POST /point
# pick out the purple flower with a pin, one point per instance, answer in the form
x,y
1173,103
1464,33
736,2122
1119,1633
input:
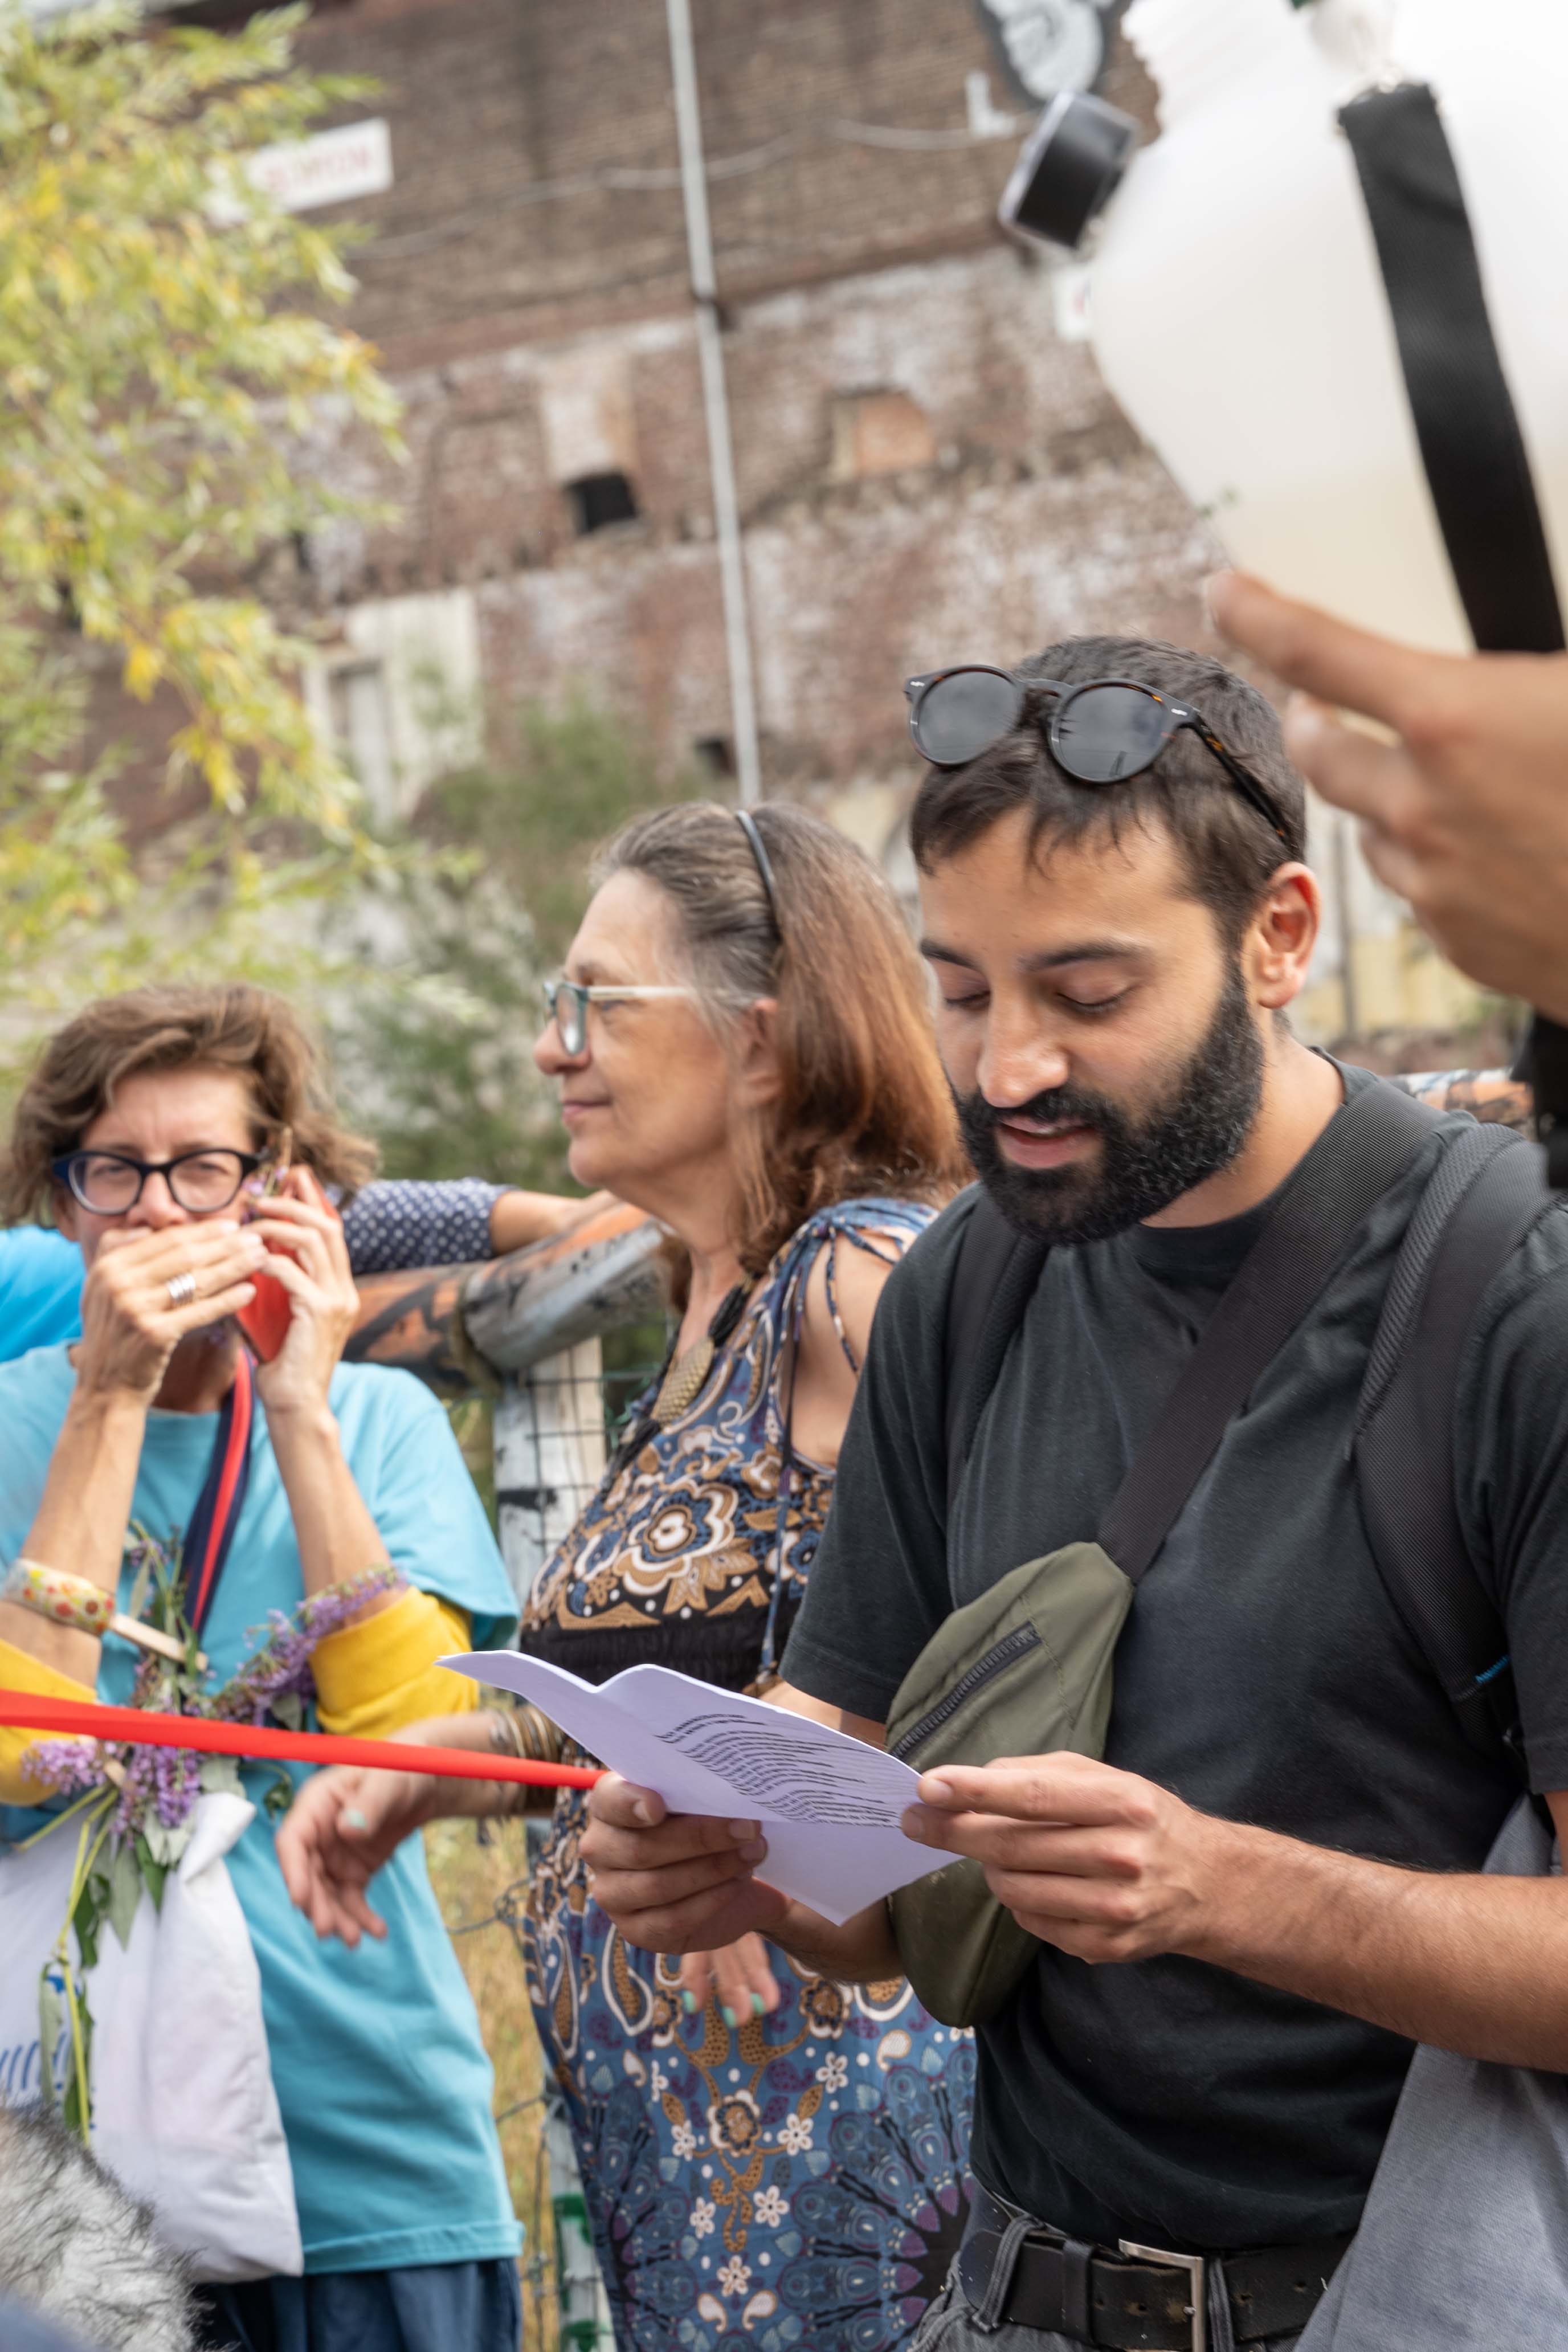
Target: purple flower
x,y
281,1667
176,1784
64,1767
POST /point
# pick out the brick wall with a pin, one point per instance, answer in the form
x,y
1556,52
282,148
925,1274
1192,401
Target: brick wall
x,y
925,469
490,102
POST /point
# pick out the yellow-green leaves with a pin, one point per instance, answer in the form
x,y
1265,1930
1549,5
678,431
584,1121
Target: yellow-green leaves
x,y
160,354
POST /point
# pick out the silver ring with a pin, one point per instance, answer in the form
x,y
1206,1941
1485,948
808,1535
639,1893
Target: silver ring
x,y
182,1289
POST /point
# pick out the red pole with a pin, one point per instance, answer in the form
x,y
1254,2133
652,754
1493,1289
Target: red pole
x,y
140,1728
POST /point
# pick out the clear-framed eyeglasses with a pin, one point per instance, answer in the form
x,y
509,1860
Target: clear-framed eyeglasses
x,y
566,1003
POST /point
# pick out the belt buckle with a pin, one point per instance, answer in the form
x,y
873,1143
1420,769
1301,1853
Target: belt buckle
x,y
1193,2264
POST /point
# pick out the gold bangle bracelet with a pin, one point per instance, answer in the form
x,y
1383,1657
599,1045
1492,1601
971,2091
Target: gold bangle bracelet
x,y
505,1737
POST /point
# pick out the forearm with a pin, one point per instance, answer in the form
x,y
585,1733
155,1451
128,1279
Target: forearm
x,y
862,1951
1478,1965
332,1525
463,1800
519,1219
82,1522
480,1733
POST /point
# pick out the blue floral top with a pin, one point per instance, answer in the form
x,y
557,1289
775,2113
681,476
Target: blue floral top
x,y
695,1550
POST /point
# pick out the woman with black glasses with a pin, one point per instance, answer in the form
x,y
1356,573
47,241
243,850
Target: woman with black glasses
x,y
279,1481
744,1049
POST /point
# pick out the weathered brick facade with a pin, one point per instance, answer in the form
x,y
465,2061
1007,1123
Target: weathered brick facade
x,y
925,469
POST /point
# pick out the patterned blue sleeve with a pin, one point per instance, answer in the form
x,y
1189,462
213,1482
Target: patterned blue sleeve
x,y
391,1227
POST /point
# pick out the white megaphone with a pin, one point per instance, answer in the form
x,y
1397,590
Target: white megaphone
x,y
1281,297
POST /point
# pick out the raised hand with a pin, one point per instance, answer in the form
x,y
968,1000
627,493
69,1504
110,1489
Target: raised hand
x,y
147,1290
308,1255
1465,811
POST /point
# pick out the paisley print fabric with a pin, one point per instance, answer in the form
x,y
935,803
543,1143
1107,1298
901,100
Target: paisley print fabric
x,y
797,2182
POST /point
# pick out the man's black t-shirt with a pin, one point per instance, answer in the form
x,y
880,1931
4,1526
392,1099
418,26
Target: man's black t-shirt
x,y
1263,1675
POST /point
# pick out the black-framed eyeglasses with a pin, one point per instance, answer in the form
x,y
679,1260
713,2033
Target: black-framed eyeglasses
x,y
1103,731
201,1182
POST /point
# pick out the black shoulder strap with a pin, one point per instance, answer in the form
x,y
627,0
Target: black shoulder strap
x,y
1472,447
1486,1193
1309,1230
994,1280
1312,1225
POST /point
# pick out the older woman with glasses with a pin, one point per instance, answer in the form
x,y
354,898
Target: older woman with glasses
x,y
742,1048
153,1126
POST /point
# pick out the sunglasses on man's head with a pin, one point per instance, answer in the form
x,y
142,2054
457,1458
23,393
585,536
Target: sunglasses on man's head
x,y
1101,732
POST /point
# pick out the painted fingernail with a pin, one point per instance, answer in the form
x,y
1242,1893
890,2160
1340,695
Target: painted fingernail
x,y
352,1819
689,2002
730,2018
757,2009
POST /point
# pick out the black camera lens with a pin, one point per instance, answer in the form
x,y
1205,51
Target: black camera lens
x,y
1070,167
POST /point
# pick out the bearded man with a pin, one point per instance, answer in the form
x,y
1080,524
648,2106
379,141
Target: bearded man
x,y
1117,916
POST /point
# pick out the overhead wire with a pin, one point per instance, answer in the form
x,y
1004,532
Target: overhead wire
x,y
645,179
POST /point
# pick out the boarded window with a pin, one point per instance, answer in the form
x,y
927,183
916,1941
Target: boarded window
x,y
879,433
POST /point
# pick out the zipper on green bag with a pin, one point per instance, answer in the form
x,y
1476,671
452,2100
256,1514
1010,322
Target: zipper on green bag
x,y
1004,1654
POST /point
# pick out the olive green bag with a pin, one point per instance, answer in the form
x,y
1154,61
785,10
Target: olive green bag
x,y
1023,1670
1027,1669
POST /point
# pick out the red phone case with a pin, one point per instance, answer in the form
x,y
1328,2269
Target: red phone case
x,y
265,1322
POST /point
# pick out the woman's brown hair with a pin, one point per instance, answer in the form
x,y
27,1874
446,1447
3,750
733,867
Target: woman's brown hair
x,y
863,1107
233,1027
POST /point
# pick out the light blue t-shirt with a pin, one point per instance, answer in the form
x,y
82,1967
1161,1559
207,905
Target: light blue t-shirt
x,y
382,2079
40,1290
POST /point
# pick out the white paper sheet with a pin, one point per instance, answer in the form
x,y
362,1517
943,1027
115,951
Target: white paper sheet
x,y
829,1805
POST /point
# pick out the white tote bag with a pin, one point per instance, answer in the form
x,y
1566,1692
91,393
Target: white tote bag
x,y
185,2114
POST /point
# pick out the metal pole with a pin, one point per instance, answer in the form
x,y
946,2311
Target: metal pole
x,y
715,401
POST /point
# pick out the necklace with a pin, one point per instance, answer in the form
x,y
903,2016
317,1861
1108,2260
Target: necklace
x,y
687,1375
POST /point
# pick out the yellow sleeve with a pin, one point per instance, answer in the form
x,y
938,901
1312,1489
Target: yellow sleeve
x,y
375,1677
19,1672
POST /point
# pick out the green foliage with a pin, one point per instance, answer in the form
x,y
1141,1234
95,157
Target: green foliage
x,y
440,1065
163,346
561,782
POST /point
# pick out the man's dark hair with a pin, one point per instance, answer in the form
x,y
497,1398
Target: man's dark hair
x,y
1227,848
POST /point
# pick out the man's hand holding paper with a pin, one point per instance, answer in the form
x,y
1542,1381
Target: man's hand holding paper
x,y
732,1780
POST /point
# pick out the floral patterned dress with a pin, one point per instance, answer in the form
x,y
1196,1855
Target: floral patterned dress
x,y
798,2180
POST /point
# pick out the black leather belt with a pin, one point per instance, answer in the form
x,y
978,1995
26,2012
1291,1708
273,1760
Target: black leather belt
x,y
1140,2298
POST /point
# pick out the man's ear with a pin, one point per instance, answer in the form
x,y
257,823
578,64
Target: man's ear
x,y
756,1077
1277,948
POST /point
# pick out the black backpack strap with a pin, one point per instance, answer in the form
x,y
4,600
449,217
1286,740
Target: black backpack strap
x,y
1311,1227
994,1280
1309,1231
1484,1197
1472,447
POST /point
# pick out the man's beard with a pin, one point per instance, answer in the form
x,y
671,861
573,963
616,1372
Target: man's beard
x,y
1144,1163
